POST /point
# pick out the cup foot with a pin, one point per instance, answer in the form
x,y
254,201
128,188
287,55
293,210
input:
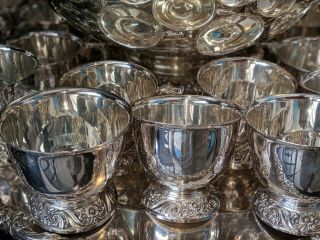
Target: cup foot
x,y
300,222
181,207
65,216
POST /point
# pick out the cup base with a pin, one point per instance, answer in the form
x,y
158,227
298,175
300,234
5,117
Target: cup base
x,y
65,216
300,222
181,207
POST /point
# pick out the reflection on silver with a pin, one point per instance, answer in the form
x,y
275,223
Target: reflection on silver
x,y
273,8
242,80
57,52
129,26
235,3
300,53
157,230
17,67
38,16
127,80
310,83
184,142
286,145
182,15
65,144
290,17
229,34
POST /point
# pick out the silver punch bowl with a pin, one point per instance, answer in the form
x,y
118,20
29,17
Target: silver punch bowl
x,y
285,141
65,144
242,80
184,142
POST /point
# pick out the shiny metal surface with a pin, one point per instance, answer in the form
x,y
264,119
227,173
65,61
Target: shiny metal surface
x,y
184,142
310,83
289,17
235,3
62,153
300,53
181,15
130,26
37,16
17,67
57,53
130,81
285,143
242,80
273,8
230,33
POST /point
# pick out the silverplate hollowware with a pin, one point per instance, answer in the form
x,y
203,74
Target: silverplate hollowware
x,y
299,54
242,80
132,82
130,26
17,67
184,142
57,53
217,27
179,15
285,141
310,83
64,144
229,34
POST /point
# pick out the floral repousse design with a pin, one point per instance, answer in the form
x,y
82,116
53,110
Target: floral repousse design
x,y
87,214
300,223
199,206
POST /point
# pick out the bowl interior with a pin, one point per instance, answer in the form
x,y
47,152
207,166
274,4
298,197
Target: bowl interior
x,y
49,47
186,111
294,120
63,121
15,66
131,82
302,53
244,80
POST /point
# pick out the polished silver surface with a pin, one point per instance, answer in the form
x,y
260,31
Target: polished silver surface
x,y
273,8
130,26
235,3
285,137
310,83
242,80
230,33
290,16
300,53
17,67
127,80
184,16
37,16
65,144
184,142
57,53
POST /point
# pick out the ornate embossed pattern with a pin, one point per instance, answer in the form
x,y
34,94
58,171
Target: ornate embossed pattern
x,y
201,206
75,217
241,155
302,223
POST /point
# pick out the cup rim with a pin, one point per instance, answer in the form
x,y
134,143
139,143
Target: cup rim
x,y
107,95
261,101
309,77
8,47
124,64
211,100
62,34
242,59
273,46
